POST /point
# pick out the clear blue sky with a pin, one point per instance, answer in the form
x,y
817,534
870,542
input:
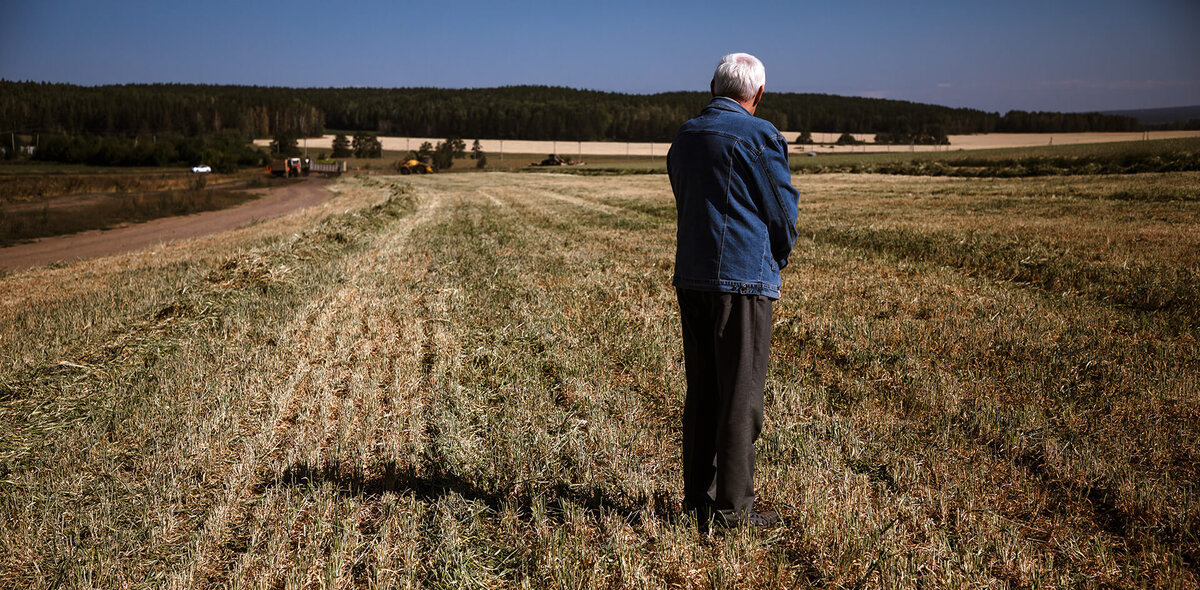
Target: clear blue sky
x,y
996,56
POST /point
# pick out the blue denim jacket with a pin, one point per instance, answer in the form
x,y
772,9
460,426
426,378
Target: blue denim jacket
x,y
735,201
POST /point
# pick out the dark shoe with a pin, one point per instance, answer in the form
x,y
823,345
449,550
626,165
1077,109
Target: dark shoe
x,y
763,520
704,515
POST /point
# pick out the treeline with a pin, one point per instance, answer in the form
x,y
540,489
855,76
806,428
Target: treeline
x,y
224,152
512,112
145,109
1189,124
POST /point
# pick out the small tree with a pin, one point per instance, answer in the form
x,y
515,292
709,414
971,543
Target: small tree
x,y
366,145
358,144
374,147
285,143
476,150
847,139
220,161
938,135
458,147
805,137
425,152
341,147
443,155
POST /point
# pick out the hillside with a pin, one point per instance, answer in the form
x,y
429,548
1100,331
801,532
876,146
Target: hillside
x,y
513,112
1174,117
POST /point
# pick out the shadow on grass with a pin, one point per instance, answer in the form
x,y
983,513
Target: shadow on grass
x,y
596,500
438,483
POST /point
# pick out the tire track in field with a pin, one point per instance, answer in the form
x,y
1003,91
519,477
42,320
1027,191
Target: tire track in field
x,y
564,191
337,386
493,200
542,201
348,429
551,239
583,203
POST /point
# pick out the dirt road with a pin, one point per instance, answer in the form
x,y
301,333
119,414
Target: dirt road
x,y
92,244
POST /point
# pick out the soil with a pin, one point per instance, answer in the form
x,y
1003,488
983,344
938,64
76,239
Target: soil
x,y
82,201
96,243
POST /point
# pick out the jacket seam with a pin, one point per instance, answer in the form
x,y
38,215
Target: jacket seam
x,y
724,218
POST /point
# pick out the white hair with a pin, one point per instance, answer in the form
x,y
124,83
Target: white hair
x,y
739,76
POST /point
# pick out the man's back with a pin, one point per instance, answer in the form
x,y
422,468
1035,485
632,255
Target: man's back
x,y
736,205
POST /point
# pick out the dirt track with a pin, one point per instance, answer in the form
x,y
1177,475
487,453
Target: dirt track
x,y
92,244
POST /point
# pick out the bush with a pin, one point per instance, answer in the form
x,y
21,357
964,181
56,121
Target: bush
x,y
225,152
847,139
443,154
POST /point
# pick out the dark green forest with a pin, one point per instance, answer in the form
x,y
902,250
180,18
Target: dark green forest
x,y
224,152
512,112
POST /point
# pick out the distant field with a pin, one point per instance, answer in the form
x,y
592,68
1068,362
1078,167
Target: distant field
x,y
1161,155
824,143
475,380
508,147
868,158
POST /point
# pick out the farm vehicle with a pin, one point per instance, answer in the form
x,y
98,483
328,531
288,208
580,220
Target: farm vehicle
x,y
289,167
334,167
413,167
556,160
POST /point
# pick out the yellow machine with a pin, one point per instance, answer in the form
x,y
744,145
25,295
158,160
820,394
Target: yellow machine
x,y
414,167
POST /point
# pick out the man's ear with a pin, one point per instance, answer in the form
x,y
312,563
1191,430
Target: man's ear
x,y
758,95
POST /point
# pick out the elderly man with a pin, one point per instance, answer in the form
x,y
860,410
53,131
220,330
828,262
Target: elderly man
x,y
737,224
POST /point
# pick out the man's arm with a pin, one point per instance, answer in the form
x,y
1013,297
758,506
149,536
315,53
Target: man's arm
x,y
780,199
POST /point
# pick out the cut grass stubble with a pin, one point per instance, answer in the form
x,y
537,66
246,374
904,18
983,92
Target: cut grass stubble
x,y
485,392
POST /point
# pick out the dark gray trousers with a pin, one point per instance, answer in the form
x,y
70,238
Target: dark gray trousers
x,y
726,343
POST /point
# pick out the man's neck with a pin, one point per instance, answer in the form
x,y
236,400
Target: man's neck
x,y
749,106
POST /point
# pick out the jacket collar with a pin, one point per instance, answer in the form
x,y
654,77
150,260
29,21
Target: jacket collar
x,y
727,104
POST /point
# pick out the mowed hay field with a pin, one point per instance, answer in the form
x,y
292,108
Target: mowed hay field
x,y
475,380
